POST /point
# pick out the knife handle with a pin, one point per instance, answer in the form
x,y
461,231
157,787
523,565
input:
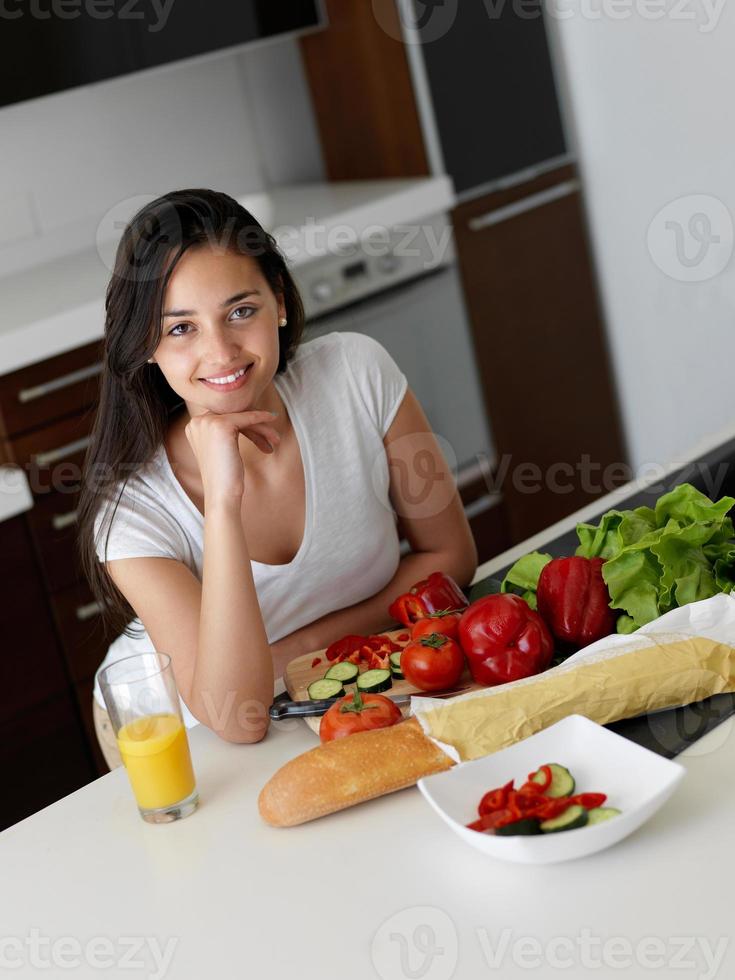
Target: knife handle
x,y
299,709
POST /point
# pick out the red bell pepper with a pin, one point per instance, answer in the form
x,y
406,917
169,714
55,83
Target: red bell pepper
x,y
437,593
574,601
504,639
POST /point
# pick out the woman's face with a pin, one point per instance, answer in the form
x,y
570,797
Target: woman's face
x,y
220,318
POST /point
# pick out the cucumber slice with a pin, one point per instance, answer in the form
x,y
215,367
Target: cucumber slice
x,y
374,681
347,673
395,660
562,783
327,687
573,817
602,813
525,827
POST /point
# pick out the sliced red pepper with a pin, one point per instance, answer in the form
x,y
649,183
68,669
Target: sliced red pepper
x,y
588,800
407,609
342,648
404,637
495,799
316,661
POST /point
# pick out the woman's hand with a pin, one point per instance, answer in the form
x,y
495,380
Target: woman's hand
x,y
214,440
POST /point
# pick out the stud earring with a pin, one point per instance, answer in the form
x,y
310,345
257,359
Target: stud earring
x,y
282,322
151,361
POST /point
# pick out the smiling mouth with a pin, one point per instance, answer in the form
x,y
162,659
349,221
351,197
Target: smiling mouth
x,y
228,382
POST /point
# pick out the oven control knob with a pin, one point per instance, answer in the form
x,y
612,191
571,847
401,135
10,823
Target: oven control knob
x,y
389,263
322,290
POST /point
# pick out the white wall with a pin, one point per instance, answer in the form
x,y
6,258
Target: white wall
x,y
238,122
651,109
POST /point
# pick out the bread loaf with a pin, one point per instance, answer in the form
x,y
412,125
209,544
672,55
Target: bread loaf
x,y
349,770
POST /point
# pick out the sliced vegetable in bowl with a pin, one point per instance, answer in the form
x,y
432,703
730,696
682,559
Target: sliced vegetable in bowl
x,y
544,804
637,781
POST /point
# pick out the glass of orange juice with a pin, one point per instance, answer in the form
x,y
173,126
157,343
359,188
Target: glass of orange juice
x,y
143,703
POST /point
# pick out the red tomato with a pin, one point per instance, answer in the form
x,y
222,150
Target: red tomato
x,y
358,713
446,624
432,662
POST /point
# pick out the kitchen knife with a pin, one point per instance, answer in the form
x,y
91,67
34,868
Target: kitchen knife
x,y
312,709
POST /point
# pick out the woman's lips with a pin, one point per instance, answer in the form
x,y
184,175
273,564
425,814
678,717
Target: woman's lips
x,y
213,386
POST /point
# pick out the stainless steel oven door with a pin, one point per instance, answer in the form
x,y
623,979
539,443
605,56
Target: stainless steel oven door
x,y
423,324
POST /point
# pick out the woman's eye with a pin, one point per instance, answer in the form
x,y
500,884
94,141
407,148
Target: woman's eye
x,y
250,311
178,326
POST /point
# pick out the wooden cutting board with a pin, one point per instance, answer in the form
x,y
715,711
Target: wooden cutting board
x,y
300,673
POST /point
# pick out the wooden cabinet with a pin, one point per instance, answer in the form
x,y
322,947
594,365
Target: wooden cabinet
x,y
54,640
541,350
43,752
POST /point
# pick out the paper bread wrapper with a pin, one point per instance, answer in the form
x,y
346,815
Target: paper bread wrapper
x,y
685,656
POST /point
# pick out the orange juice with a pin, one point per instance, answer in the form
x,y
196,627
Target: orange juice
x,y
155,751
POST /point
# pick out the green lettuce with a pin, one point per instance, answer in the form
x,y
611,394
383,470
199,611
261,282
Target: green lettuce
x,y
659,558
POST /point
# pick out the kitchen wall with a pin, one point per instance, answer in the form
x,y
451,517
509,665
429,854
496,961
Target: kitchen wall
x,y
650,108
238,122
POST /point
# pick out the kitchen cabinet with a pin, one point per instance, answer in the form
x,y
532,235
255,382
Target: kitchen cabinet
x,y
46,412
43,752
541,349
492,94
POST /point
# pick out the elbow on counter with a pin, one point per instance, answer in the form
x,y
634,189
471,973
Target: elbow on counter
x,y
248,736
243,724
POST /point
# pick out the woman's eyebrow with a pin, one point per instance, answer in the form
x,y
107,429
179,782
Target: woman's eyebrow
x,y
223,305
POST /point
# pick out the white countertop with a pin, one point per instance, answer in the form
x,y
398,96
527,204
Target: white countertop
x,y
241,899
55,307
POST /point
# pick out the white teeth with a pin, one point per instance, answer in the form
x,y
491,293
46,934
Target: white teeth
x,y
229,379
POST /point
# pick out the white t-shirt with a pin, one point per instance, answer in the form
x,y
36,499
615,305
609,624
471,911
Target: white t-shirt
x,y
342,391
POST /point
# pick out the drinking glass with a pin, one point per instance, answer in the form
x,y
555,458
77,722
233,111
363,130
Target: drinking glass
x,y
143,704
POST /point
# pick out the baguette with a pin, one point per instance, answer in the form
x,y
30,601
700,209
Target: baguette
x,y
349,770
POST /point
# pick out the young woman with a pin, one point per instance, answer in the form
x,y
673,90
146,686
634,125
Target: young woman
x,y
244,492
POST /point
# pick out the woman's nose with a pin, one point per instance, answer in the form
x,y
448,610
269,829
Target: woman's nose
x,y
219,348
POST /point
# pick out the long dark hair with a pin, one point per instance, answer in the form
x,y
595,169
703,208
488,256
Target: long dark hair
x,y
135,399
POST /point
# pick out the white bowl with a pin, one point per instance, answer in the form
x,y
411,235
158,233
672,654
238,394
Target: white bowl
x,y
635,780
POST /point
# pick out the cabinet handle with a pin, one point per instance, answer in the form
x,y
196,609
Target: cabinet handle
x,y
92,609
48,387
60,521
53,455
529,203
